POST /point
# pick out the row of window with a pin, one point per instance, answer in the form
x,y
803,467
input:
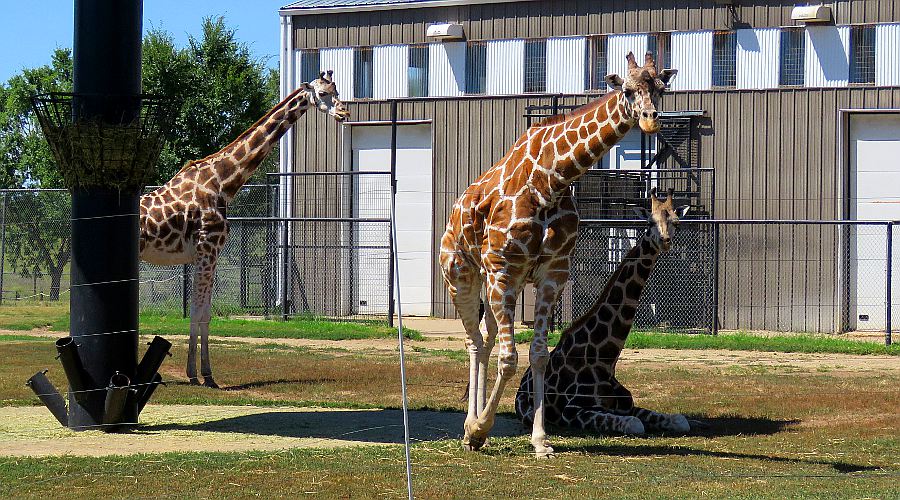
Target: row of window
x,y
791,71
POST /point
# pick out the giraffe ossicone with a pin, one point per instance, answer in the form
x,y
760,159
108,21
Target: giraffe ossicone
x,y
184,221
582,391
517,224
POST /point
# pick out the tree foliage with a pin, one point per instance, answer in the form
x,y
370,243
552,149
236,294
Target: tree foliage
x,y
219,90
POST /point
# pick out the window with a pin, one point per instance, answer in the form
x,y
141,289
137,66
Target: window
x,y
363,72
723,60
418,71
535,65
660,45
862,54
309,65
476,62
596,61
793,57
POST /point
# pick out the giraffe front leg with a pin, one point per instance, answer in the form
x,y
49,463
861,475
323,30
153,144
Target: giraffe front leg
x,y
539,354
464,287
651,421
201,311
501,302
601,420
489,333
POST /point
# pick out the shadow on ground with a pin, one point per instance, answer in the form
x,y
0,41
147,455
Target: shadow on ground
x,y
365,426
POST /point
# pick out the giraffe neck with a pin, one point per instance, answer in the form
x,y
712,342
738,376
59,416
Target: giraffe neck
x,y
612,314
233,165
568,149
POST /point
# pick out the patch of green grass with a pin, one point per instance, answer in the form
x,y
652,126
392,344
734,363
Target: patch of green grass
x,y
20,338
55,316
807,343
292,329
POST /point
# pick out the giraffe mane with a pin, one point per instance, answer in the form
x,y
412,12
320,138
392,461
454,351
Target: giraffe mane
x,y
245,133
583,110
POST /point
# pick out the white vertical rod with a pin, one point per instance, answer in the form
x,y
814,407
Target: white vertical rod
x,y
396,265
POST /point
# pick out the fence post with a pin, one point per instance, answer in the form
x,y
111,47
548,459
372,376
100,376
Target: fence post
x,y
888,280
185,290
392,257
285,267
3,245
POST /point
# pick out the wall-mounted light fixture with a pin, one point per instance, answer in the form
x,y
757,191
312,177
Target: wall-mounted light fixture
x,y
445,31
807,14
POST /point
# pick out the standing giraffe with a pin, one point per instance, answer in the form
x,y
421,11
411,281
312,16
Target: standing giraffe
x,y
580,383
517,223
184,222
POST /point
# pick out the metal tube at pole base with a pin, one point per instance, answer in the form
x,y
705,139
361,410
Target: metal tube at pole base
x,y
147,391
79,379
152,360
48,395
116,398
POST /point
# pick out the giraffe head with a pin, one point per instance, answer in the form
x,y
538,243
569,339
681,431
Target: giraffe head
x,y
663,217
323,95
642,87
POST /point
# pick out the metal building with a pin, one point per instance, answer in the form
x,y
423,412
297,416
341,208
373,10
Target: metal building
x,y
798,117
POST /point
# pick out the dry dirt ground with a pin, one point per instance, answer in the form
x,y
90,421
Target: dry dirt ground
x,y
32,431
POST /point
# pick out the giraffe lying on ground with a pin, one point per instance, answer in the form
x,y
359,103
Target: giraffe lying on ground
x,y
517,224
183,222
580,384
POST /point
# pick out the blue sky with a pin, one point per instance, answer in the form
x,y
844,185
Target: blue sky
x,y
30,30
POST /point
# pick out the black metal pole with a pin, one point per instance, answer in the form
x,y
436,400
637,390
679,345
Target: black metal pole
x,y
104,269
888,280
185,289
392,257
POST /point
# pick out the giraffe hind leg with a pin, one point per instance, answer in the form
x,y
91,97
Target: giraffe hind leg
x,y
601,420
674,423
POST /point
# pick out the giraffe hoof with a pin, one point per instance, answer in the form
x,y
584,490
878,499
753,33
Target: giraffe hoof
x,y
473,444
544,452
209,382
679,424
633,426
194,381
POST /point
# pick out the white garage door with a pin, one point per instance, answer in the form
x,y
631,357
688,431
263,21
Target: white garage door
x,y
371,151
875,195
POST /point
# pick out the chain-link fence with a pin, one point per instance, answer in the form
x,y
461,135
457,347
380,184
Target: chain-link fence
x,y
337,262
798,276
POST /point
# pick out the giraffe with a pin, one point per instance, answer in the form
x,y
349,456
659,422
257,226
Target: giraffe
x,y
184,221
517,223
580,383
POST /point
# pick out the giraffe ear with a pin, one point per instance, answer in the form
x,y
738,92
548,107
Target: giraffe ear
x,y
615,81
682,210
306,86
667,74
642,213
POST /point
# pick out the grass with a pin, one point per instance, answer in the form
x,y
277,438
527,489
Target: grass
x,y
55,317
772,432
742,342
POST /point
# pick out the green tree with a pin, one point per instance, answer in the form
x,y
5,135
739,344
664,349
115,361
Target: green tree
x,y
217,86
37,230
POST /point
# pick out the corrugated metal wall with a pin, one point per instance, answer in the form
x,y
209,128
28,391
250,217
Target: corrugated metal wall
x,y
341,61
618,46
757,58
692,56
774,174
566,65
566,18
446,69
827,56
391,71
505,68
887,54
